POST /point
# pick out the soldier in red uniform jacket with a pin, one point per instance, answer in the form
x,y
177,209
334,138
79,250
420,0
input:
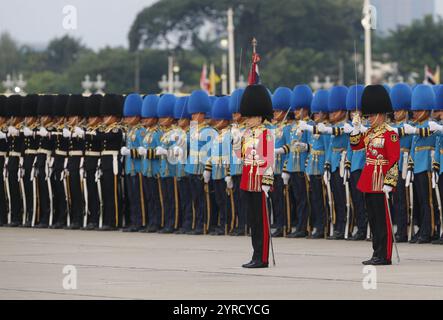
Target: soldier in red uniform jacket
x,y
257,154
380,174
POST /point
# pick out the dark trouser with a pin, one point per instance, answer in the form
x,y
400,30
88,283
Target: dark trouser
x,y
221,198
28,161
358,200
423,186
3,198
213,208
197,187
59,196
440,187
379,221
43,196
258,220
339,194
93,198
14,189
400,208
278,202
76,197
318,203
298,183
167,185
112,203
134,184
184,196
151,190
240,207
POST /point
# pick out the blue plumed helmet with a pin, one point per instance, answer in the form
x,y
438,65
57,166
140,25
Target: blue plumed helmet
x,y
165,107
281,100
423,98
149,107
234,100
220,109
355,93
320,101
133,105
199,102
337,99
301,97
208,114
401,95
180,108
438,90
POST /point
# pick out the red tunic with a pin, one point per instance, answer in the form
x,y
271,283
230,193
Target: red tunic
x,y
382,154
257,153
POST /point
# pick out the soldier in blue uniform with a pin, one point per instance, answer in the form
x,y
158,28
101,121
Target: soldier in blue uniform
x,y
420,162
281,103
91,163
111,138
297,144
133,164
198,105
151,163
319,144
355,162
217,166
169,196
401,95
4,200
235,170
30,145
336,156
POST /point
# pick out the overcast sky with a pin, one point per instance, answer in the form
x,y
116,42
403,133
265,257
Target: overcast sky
x,y
100,22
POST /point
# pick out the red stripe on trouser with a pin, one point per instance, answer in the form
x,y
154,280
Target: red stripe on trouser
x,y
265,230
388,232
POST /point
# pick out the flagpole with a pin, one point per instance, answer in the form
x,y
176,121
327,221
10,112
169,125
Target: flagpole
x,y
231,52
366,22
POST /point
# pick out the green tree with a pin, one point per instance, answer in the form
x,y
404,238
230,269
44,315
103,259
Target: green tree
x,y
64,51
9,55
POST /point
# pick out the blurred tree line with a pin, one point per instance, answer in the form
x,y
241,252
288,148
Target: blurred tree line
x,y
297,40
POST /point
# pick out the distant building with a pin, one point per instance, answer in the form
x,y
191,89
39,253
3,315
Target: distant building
x,y
394,13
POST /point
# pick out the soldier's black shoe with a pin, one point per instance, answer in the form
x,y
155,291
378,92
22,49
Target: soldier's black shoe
x,y
277,233
439,241
377,262
236,233
255,265
152,229
421,240
74,226
90,227
195,232
297,234
217,232
57,226
13,225
26,225
401,238
359,236
131,229
317,235
337,236
108,228
166,231
414,238
180,231
41,226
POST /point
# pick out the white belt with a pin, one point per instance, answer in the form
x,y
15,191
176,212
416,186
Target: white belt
x,y
92,153
44,151
30,151
3,154
110,153
15,154
76,153
61,153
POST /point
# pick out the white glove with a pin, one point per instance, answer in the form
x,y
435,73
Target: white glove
x,y
409,178
409,129
435,178
347,128
326,176
206,176
434,126
279,151
285,176
322,128
66,133
2,135
142,151
395,130
42,132
13,132
229,183
160,151
174,137
78,132
303,126
266,190
387,189
125,151
27,132
363,129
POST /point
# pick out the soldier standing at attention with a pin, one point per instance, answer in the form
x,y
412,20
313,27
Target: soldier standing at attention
x,y
380,173
4,201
